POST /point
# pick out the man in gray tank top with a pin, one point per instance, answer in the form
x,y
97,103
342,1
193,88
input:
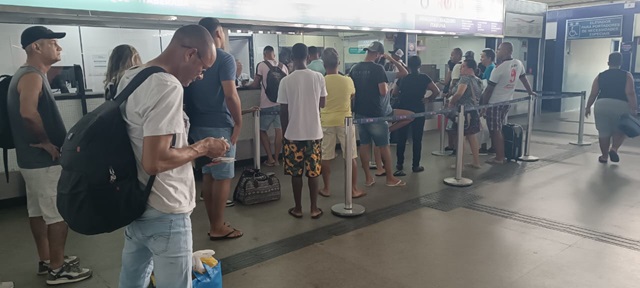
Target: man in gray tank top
x,y
38,133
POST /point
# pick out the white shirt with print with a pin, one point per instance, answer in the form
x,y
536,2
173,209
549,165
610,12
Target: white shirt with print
x,y
504,77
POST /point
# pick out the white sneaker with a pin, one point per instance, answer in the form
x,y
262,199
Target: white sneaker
x,y
69,273
6,285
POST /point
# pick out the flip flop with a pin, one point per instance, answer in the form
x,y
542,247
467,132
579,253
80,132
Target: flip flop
x,y
603,161
269,164
225,237
493,161
319,214
230,203
381,174
324,195
293,214
400,183
613,155
471,165
370,184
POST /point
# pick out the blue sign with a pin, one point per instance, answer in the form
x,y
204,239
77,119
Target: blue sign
x,y
601,27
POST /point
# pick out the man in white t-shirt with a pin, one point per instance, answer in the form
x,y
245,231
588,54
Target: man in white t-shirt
x,y
161,238
502,85
301,96
269,110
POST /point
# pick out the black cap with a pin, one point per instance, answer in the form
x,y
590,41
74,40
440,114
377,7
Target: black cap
x,y
469,55
35,33
375,46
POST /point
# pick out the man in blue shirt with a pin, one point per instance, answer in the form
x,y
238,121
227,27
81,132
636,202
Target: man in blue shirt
x,y
213,107
314,60
487,58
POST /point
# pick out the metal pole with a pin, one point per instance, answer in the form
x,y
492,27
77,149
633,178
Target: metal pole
x,y
527,144
458,180
348,209
442,120
256,139
583,103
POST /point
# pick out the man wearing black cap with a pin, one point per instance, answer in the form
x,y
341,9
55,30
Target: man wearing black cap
x,y
370,81
38,133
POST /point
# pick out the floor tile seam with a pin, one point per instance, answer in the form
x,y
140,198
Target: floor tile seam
x,y
567,226
325,233
606,238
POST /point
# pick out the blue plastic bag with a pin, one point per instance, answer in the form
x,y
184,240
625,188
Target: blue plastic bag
x,y
211,279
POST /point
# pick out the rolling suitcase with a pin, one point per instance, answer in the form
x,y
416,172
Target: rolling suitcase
x,y
513,134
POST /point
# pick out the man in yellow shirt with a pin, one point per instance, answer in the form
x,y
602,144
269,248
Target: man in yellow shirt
x,y
340,89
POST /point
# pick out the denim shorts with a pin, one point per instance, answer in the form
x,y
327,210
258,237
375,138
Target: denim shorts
x,y
267,120
223,170
377,132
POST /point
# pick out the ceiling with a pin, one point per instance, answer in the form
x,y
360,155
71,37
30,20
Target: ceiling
x,y
572,3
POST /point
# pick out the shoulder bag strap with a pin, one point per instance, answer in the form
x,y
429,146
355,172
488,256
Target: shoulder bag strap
x,y
136,82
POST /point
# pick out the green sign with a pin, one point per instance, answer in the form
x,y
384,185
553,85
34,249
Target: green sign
x,y
356,50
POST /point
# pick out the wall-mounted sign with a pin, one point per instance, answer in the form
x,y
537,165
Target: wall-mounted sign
x,y
626,47
356,50
521,25
601,27
454,16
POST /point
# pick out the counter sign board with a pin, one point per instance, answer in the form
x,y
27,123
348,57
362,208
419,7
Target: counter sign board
x,y
601,27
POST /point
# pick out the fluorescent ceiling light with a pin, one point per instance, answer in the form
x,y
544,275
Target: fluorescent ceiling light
x,y
173,18
344,27
327,27
299,25
260,32
413,31
390,30
311,26
238,31
365,28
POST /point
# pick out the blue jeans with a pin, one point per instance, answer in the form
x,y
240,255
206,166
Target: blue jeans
x,y
267,121
377,132
161,243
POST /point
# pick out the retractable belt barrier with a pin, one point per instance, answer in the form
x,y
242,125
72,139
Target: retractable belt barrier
x,y
349,209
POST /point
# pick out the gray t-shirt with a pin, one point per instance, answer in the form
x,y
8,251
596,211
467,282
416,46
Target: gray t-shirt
x,y
30,157
474,88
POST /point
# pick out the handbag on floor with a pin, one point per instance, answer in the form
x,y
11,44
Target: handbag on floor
x,y
255,187
629,125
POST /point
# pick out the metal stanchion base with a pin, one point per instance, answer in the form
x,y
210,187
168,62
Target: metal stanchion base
x,y
441,153
341,211
580,144
529,158
462,182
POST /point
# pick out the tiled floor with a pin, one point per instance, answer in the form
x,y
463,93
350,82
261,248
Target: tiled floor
x,y
565,221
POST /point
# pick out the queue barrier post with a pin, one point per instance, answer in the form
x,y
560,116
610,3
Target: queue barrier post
x,y
442,119
348,209
583,104
256,139
458,180
527,145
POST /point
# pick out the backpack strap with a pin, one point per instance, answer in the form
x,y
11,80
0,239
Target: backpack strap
x,y
269,64
136,82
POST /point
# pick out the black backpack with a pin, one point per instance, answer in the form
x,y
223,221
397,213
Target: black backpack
x,y
99,191
274,77
6,138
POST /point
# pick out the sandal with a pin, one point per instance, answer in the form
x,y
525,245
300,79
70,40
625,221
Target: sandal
x,y
399,173
294,214
613,155
400,183
226,237
370,184
603,161
324,195
269,164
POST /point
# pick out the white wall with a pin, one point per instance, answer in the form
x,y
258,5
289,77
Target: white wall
x,y
263,40
437,49
239,48
97,44
584,59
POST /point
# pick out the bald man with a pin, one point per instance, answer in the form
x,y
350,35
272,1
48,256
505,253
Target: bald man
x,y
502,85
161,239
